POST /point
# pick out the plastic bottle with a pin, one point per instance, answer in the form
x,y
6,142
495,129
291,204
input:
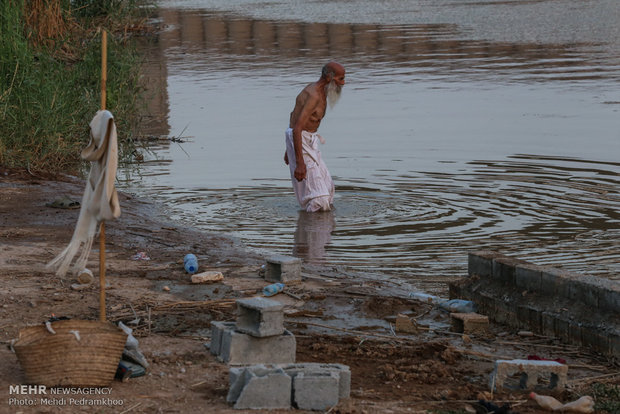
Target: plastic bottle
x,y
458,306
546,402
425,297
273,289
190,262
584,404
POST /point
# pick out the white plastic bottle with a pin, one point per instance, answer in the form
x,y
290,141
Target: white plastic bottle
x,y
546,402
584,404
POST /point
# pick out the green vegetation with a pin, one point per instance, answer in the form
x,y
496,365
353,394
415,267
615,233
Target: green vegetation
x,y
607,397
50,74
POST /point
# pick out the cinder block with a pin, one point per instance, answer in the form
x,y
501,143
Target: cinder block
x,y
575,333
259,388
561,328
585,289
238,348
614,344
549,283
530,373
217,330
283,269
528,276
315,390
480,263
596,340
469,323
341,371
523,316
548,324
563,281
260,317
609,296
504,269
535,323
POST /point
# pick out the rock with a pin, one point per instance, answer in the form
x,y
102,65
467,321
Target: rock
x,y
207,277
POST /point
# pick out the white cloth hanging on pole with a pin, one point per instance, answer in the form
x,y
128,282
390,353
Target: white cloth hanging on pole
x,y
100,199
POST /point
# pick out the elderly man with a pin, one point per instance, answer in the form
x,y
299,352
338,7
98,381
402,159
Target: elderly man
x,y
312,182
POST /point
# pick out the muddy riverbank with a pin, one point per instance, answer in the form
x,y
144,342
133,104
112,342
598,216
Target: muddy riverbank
x,y
336,317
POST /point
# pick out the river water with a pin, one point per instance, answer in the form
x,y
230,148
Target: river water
x,y
464,125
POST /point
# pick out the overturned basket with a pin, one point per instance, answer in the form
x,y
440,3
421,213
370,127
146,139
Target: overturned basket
x,y
81,353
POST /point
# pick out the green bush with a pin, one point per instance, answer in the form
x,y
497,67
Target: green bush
x,y
49,90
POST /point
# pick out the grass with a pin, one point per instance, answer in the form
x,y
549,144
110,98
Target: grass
x,y
50,69
606,396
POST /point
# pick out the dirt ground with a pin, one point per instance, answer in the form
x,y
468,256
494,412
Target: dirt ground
x,y
337,317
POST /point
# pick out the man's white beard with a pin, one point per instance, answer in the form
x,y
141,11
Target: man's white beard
x,y
333,93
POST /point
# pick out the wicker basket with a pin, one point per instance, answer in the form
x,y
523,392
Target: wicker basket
x,y
62,360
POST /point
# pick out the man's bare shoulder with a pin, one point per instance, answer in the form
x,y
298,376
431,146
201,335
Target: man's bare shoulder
x,y
309,93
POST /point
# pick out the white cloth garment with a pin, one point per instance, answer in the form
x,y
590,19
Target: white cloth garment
x,y
100,200
316,191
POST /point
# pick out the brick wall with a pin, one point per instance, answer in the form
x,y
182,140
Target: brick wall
x,y
578,309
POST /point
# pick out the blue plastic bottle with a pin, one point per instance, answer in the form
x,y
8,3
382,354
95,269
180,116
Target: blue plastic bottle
x,y
190,262
273,289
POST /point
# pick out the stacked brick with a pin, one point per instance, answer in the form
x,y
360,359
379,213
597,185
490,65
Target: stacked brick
x,y
545,300
262,352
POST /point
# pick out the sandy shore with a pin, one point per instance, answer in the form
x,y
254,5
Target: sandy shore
x,y
336,317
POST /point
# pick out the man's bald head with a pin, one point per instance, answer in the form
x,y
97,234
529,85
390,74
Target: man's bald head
x,y
331,69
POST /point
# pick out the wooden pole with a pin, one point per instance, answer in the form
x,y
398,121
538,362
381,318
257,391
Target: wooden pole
x,y
104,76
104,66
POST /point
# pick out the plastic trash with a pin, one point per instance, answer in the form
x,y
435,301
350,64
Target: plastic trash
x,y
584,404
547,402
458,306
131,351
425,297
132,342
85,277
273,289
190,263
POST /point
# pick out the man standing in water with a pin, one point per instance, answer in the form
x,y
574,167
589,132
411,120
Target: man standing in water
x,y
312,182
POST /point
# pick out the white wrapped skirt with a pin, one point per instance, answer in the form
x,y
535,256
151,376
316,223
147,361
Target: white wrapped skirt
x,y
316,191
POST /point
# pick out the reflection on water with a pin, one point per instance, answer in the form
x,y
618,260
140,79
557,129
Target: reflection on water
x,y
312,234
449,137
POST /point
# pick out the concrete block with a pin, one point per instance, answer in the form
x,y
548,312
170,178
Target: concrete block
x,y
575,333
283,269
597,341
480,263
561,328
504,269
259,388
535,318
609,296
341,371
241,348
469,323
563,281
548,324
532,374
260,317
523,316
549,282
585,289
528,276
315,390
614,344
217,330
